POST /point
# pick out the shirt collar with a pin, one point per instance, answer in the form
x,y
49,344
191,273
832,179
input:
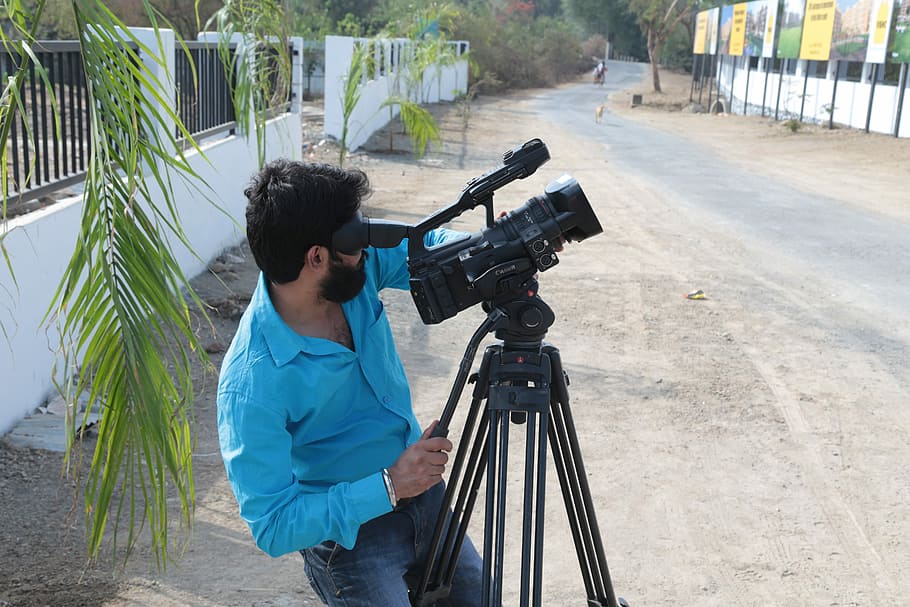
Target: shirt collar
x,y
283,342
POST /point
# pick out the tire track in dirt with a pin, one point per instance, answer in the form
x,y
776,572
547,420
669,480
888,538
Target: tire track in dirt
x,y
841,518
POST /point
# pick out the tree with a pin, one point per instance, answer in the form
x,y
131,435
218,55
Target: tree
x,y
183,16
121,300
658,19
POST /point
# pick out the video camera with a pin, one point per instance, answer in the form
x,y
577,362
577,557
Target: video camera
x,y
492,265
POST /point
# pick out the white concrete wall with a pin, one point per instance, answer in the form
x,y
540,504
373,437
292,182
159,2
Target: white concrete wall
x,y
850,105
40,244
445,83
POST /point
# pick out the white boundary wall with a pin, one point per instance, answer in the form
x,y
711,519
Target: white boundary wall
x,y
40,245
851,105
445,83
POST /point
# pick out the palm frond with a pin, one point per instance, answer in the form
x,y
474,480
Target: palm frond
x,y
121,297
260,73
418,123
350,96
126,334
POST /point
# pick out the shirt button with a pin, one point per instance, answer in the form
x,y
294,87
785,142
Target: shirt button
x,y
386,399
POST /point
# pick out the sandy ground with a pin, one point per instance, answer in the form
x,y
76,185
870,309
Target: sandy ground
x,y
739,451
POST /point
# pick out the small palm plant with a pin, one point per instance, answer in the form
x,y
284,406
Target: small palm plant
x,y
262,71
351,96
418,122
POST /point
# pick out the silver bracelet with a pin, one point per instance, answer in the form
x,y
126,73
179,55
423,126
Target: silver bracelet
x,y
389,487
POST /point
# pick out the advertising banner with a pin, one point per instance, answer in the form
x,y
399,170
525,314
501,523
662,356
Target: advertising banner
x,y
879,28
701,30
738,33
900,40
791,27
770,28
712,34
726,28
850,38
761,19
818,30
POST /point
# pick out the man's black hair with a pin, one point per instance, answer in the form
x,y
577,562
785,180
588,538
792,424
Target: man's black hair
x,y
295,205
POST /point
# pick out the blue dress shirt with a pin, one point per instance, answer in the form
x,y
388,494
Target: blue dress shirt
x,y
306,425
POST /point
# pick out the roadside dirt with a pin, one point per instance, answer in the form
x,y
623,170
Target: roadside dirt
x,y
739,450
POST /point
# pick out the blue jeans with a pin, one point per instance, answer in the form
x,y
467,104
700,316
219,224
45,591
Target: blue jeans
x,y
390,554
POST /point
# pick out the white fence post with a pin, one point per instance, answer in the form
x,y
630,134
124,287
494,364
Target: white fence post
x,y
296,73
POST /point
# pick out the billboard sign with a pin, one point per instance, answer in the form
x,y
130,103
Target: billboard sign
x,y
818,29
761,21
791,27
726,28
879,27
900,39
701,31
711,36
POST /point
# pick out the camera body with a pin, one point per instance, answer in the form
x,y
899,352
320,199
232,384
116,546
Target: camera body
x,y
494,264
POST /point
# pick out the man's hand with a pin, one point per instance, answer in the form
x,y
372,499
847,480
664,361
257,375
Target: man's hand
x,y
421,465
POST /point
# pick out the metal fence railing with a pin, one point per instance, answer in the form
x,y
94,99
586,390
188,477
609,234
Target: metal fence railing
x,y
40,157
204,105
43,158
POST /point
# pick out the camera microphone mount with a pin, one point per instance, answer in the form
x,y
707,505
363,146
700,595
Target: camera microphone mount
x,y
520,380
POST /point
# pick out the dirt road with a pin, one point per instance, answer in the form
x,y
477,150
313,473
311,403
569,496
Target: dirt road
x,y
747,449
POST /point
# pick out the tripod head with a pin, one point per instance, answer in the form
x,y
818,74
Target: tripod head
x,y
525,320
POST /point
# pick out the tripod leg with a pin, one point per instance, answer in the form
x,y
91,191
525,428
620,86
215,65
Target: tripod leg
x,y
442,560
519,387
533,520
494,528
576,492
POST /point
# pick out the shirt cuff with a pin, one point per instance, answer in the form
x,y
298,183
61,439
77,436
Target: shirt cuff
x,y
370,498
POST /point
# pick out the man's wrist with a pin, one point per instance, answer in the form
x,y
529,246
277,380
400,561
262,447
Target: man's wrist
x,y
389,487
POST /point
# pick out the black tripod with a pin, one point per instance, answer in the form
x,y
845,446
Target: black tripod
x,y
522,380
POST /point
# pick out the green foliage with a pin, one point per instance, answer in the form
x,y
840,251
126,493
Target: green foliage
x,y
349,25
676,52
595,16
516,54
351,96
24,24
793,125
612,20
58,22
120,300
418,123
406,18
262,70
659,21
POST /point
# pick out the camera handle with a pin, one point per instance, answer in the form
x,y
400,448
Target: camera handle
x,y
519,380
518,163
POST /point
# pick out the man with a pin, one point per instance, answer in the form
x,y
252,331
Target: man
x,y
317,431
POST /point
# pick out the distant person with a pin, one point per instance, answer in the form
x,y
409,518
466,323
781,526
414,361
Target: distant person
x,y
600,73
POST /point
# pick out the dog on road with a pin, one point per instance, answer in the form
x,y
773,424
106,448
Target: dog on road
x,y
599,112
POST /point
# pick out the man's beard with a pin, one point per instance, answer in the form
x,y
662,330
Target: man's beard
x,y
343,282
